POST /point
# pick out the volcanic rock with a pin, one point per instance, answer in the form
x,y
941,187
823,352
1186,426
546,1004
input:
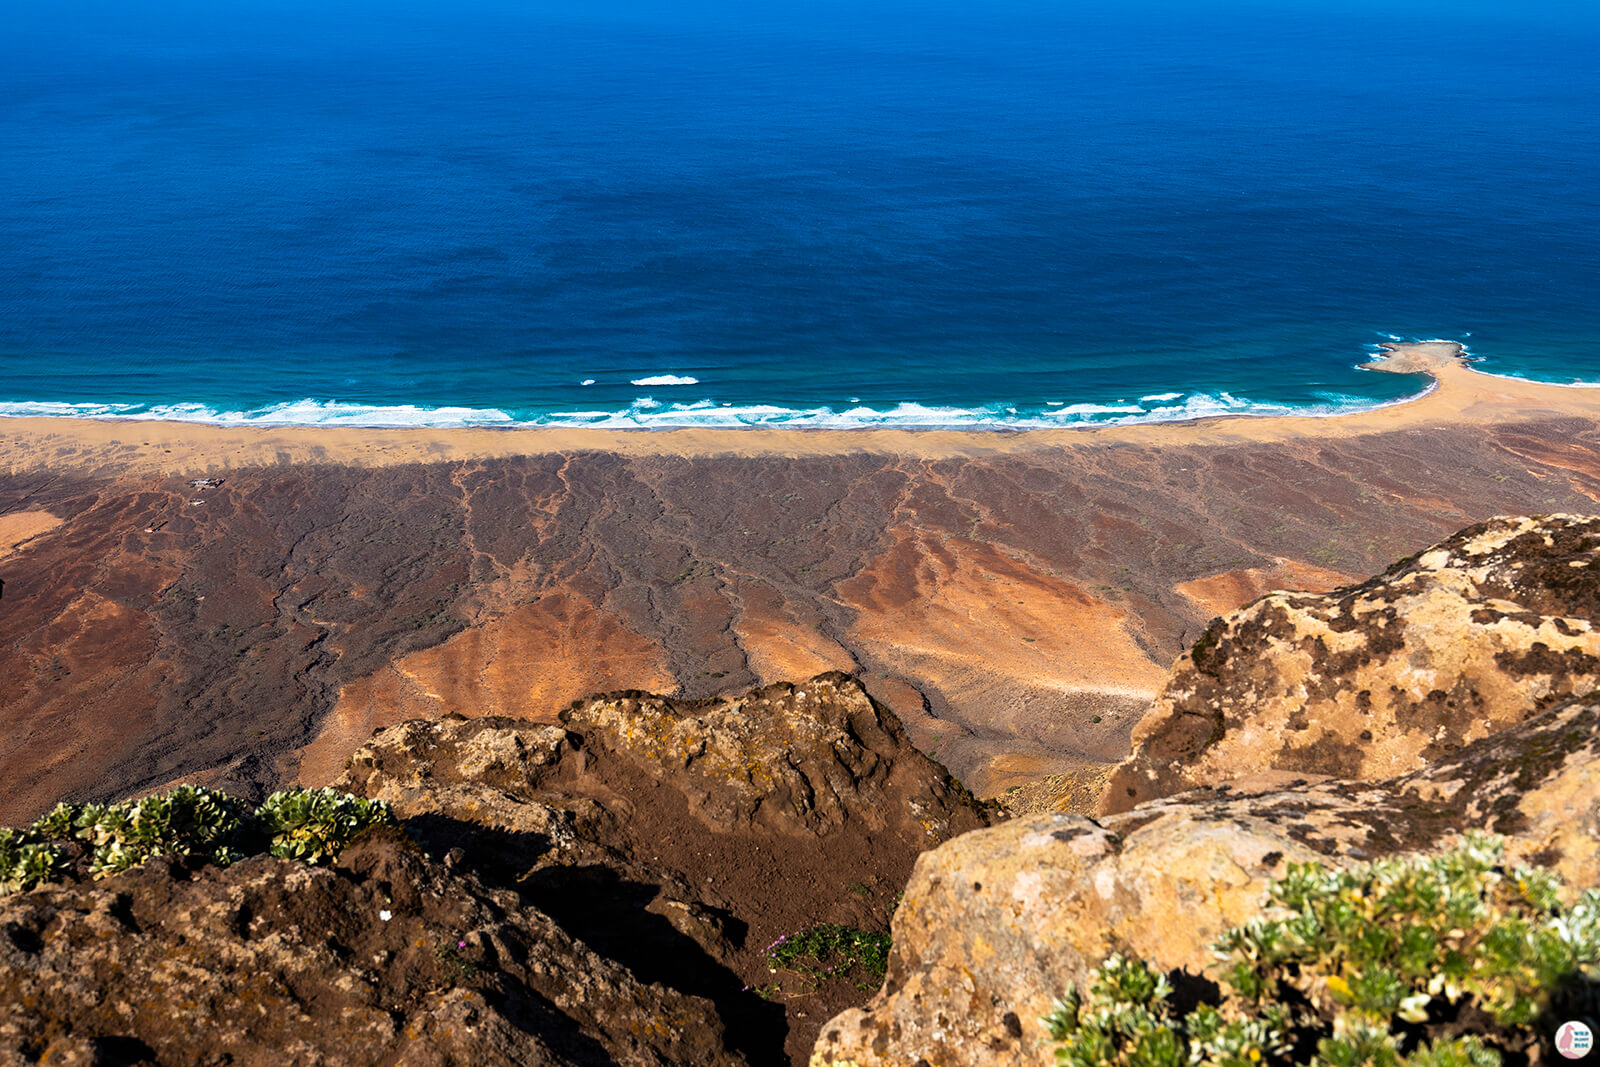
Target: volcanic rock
x,y
682,836
591,893
999,923
385,958
1465,639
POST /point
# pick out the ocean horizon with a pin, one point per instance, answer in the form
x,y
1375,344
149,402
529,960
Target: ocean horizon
x,y
642,216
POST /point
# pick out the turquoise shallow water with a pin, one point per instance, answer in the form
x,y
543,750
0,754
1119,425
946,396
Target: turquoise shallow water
x,y
654,216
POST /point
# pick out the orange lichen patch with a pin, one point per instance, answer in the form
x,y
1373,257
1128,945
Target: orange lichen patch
x,y
20,526
528,664
1219,594
959,613
777,647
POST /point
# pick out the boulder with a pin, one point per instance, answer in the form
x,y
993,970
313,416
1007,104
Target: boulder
x,y
1465,639
999,923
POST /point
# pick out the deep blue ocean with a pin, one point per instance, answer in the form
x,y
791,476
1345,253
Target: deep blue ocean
x,y
652,214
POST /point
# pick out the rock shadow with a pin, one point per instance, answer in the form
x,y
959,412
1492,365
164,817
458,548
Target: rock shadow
x,y
611,914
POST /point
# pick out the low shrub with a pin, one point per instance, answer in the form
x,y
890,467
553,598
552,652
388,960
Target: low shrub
x,y
821,953
25,863
1442,961
313,825
188,822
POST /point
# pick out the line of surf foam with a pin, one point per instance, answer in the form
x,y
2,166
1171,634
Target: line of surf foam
x,y
290,413
646,413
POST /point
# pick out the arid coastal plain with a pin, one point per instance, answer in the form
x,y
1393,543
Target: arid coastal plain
x,y
242,607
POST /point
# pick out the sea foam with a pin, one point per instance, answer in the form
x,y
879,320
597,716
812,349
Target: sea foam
x,y
647,413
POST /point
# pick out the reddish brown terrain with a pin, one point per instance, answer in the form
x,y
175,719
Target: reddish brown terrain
x,y
1018,610
600,892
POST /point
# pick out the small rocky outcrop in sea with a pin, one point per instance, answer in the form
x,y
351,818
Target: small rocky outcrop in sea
x,y
1462,640
999,923
592,893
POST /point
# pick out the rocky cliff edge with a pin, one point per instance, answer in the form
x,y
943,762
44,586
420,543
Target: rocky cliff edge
x,y
1454,644
598,892
1452,693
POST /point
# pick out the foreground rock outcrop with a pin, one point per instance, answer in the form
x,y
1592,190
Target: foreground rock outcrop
x,y
1453,693
999,923
1378,679
684,836
590,893
386,958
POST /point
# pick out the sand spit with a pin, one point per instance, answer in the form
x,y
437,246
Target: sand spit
x,y
1459,396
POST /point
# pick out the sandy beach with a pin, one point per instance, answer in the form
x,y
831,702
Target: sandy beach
x,y
1017,598
1459,395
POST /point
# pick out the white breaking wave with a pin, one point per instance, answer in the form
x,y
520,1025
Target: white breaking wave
x,y
1158,397
1098,409
290,413
666,379
23,409
1572,383
647,413
920,416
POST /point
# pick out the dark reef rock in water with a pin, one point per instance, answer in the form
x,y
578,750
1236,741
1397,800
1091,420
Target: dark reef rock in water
x,y
592,893
1456,643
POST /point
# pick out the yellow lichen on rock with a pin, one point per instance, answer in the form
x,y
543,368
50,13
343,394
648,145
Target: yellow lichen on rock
x,y
1470,637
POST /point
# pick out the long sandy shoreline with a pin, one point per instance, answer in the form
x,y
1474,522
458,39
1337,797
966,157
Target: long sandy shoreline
x,y
1459,395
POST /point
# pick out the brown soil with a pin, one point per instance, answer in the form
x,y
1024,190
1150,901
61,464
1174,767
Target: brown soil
x,y
148,638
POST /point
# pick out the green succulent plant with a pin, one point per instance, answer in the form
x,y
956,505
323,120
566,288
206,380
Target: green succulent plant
x,y
1377,965
186,821
313,825
189,822
59,823
25,863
